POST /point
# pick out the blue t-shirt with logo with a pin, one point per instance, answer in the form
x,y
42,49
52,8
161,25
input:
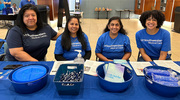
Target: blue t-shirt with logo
x,y
24,2
113,48
75,45
35,43
153,44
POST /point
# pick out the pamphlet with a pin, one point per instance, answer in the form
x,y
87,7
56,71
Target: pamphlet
x,y
91,66
168,64
123,62
139,66
114,72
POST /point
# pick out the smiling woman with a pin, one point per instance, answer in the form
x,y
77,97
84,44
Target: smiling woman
x,y
72,39
113,43
30,39
153,41
30,19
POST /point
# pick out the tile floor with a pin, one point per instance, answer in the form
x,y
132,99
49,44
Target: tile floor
x,y
94,28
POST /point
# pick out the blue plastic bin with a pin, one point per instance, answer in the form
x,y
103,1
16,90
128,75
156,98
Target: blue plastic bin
x,y
31,86
162,90
114,86
68,88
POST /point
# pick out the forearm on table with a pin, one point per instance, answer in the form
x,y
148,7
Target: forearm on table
x,y
102,57
21,55
144,55
163,55
126,55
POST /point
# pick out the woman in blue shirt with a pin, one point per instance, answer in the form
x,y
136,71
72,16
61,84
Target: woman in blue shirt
x,y
70,40
114,42
153,41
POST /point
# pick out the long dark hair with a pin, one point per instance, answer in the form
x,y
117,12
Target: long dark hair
x,y
66,38
122,31
19,19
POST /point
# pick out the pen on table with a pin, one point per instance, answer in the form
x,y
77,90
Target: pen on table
x,y
140,69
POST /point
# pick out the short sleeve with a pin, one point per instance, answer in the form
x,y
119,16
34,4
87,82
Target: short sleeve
x,y
138,42
52,32
166,46
58,46
87,43
20,4
14,38
127,45
99,45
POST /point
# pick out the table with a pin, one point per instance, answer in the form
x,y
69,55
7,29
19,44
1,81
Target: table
x,y
125,10
8,17
103,11
107,14
98,14
90,89
77,14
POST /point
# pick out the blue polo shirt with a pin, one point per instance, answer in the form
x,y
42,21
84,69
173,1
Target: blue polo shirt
x,y
24,2
7,5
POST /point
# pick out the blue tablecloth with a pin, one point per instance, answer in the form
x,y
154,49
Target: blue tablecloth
x,y
90,89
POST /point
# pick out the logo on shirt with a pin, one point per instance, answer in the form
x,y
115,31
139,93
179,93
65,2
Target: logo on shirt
x,y
114,46
150,41
76,44
37,36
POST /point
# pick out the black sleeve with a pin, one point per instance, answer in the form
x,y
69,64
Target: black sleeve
x,y
87,55
59,57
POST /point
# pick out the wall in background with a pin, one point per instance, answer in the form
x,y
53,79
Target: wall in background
x,y
88,7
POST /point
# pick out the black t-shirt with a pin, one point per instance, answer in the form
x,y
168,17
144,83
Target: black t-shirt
x,y
35,43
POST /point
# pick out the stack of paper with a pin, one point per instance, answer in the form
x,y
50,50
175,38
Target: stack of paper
x,y
168,64
91,66
114,72
122,62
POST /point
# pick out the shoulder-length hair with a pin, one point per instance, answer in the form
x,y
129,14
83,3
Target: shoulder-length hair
x,y
66,38
122,30
20,21
158,15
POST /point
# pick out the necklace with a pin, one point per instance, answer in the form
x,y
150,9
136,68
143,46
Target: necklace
x,y
74,40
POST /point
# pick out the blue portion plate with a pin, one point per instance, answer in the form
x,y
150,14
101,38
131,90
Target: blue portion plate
x,y
29,73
